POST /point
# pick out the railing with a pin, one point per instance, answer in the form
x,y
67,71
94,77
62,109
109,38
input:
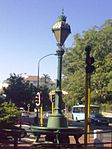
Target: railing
x,y
11,136
98,138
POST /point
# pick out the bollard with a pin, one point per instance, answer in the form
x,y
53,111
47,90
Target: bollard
x,y
98,138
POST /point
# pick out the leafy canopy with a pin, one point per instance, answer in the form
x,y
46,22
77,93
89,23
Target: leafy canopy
x,y
19,91
100,39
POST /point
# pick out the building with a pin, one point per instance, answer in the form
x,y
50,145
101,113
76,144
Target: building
x,y
42,81
3,85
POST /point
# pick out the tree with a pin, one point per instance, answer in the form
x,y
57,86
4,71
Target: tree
x,y
46,78
45,98
19,91
100,39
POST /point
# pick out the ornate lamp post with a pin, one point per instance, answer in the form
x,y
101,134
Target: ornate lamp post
x,y
57,130
61,30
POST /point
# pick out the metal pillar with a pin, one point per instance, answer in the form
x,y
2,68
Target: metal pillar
x,y
57,119
58,97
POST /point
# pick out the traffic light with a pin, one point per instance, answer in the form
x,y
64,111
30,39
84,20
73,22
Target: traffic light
x,y
53,97
37,99
89,61
90,68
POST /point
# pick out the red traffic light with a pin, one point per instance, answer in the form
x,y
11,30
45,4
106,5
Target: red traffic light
x,y
89,60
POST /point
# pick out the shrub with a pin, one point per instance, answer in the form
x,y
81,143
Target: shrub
x,y
8,114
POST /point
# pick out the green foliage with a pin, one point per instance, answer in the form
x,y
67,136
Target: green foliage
x,y
22,92
100,39
19,91
8,113
45,98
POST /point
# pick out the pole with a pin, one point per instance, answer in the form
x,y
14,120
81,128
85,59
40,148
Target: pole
x,y
58,94
52,107
38,85
57,119
88,129
87,110
41,115
38,75
39,67
28,107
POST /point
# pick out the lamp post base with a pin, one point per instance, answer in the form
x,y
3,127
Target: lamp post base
x,y
58,136
56,121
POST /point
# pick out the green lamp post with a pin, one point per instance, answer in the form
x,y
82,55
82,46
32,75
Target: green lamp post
x,y
57,130
61,30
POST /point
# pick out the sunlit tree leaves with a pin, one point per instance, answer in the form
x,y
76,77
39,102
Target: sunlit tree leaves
x,y
100,40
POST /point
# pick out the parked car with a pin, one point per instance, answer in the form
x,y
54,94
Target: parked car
x,y
99,119
24,120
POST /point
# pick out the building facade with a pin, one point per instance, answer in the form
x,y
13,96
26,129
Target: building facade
x,y
42,81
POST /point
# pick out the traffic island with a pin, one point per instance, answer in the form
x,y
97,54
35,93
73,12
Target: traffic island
x,y
58,135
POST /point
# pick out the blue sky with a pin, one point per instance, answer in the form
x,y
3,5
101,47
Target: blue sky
x,y
26,36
